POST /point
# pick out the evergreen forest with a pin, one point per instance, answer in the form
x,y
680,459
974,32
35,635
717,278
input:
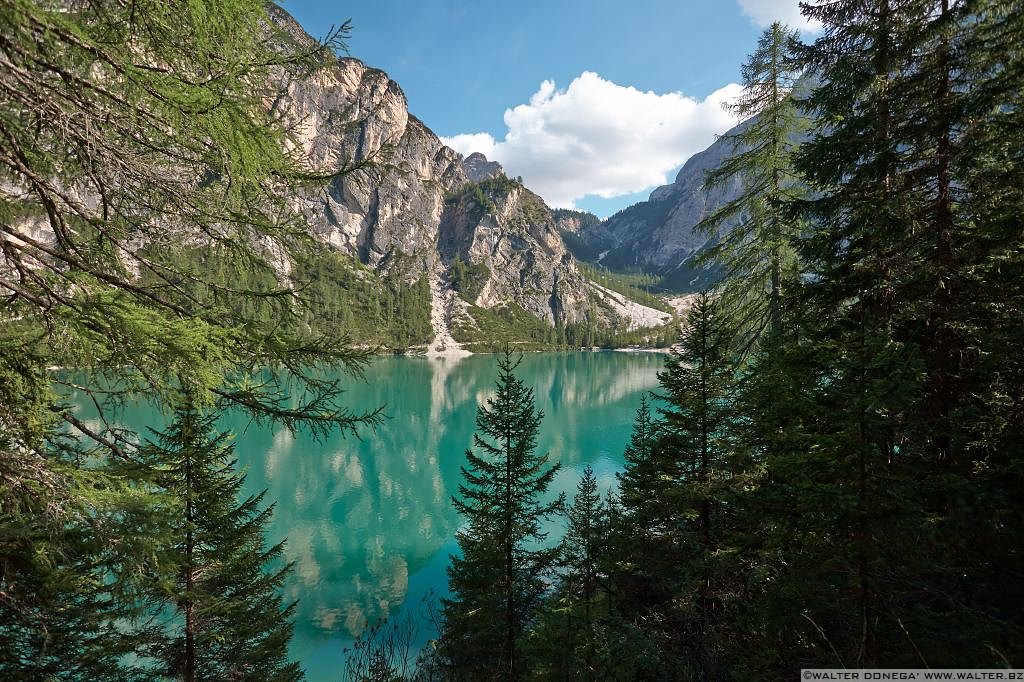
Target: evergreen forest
x,y
829,474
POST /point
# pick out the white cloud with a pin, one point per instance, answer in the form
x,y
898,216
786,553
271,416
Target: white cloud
x,y
467,143
764,12
599,138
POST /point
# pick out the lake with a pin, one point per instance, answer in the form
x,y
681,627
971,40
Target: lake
x,y
369,522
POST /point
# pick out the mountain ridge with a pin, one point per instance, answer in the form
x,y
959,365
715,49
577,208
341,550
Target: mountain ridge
x,y
659,236
394,210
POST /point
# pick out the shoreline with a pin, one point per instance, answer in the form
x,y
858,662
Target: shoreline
x,y
463,352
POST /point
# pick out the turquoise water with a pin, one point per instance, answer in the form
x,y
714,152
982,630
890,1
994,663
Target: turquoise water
x,y
369,523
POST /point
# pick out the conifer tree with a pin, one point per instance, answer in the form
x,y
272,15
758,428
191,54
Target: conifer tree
x,y
574,636
840,577
584,539
497,583
878,169
583,547
130,130
646,533
992,170
674,492
219,587
59,619
697,387
756,251
968,321
646,475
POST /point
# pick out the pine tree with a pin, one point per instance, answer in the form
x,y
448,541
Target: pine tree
x,y
674,529
130,130
697,386
873,352
219,588
584,540
583,547
573,637
61,617
646,475
972,432
840,577
646,533
756,252
497,583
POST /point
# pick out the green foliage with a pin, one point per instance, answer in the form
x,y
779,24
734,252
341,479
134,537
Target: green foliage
x,y
646,477
134,132
831,477
587,250
753,237
217,589
61,611
586,219
498,582
483,195
468,278
490,329
883,354
343,298
347,297
637,286
535,211
571,634
165,156
672,540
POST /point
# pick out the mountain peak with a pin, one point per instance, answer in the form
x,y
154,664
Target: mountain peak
x,y
477,167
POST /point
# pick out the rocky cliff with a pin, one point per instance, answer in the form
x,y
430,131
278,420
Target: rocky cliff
x,y
659,235
477,167
407,205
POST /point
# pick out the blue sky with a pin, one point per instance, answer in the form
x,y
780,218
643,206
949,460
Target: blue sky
x,y
580,98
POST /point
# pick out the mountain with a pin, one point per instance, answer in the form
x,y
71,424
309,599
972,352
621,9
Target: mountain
x,y
658,236
477,167
572,221
410,208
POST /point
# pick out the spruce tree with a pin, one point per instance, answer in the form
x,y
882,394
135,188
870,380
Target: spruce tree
x,y
974,332
574,636
497,582
646,533
697,388
218,589
61,614
675,527
874,353
646,477
584,540
583,548
840,578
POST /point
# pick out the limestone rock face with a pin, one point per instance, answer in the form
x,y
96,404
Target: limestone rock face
x,y
659,235
400,200
508,229
385,202
477,167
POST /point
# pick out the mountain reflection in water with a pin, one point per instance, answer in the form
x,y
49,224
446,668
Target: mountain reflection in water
x,y
369,521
